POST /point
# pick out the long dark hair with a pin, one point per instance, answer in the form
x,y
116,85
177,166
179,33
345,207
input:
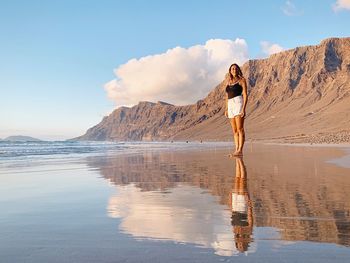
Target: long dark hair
x,y
239,71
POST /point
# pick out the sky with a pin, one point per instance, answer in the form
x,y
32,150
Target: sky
x,y
66,64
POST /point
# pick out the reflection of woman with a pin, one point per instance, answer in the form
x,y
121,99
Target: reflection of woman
x,y
236,101
242,212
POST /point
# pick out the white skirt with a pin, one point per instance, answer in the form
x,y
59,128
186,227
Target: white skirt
x,y
234,106
239,203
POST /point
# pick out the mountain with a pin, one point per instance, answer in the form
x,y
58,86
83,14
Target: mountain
x,y
21,138
297,95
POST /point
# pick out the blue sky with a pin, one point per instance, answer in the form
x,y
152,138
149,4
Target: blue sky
x,y
56,56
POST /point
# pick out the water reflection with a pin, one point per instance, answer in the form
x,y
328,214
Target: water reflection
x,y
242,212
159,207
202,197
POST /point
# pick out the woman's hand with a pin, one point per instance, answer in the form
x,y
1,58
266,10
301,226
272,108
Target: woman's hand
x,y
242,114
226,114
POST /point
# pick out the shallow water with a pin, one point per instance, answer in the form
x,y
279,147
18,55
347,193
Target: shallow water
x,y
278,203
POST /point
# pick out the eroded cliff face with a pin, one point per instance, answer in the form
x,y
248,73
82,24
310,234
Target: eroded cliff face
x,y
299,92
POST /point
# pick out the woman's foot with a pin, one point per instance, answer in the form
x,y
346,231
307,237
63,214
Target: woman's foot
x,y
235,154
238,153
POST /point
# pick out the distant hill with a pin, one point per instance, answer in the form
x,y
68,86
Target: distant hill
x,y
21,138
298,93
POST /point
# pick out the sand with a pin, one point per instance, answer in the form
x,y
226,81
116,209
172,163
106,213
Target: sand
x,y
175,205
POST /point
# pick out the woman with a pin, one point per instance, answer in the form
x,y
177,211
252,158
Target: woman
x,y
236,101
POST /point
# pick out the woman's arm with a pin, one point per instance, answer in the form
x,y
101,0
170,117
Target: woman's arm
x,y
250,212
245,96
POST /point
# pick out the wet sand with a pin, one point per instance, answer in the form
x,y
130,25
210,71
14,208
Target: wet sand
x,y
278,203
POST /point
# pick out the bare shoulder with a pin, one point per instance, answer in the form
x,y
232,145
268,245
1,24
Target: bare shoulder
x,y
225,83
243,81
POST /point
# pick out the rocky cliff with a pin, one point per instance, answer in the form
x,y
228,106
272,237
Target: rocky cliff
x,y
295,94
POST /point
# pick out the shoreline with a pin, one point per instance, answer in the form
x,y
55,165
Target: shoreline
x,y
268,142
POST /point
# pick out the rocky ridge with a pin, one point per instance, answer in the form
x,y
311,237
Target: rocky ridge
x,y
298,95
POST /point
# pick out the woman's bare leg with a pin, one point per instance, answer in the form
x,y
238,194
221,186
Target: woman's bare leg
x,y
235,133
239,121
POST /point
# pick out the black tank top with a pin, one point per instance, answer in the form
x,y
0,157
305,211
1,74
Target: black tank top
x,y
234,90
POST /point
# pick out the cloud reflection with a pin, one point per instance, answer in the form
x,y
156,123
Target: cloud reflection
x,y
185,214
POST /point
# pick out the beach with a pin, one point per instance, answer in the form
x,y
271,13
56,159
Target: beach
x,y
161,131
174,202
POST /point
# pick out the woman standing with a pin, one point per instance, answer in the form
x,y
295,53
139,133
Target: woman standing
x,y
236,101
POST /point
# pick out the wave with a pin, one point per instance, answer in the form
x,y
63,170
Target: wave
x,y
10,149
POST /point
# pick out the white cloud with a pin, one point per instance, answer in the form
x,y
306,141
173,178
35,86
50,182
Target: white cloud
x,y
179,76
151,215
290,9
341,4
269,48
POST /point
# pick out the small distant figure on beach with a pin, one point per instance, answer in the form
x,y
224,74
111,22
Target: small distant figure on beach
x,y
242,209
235,105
